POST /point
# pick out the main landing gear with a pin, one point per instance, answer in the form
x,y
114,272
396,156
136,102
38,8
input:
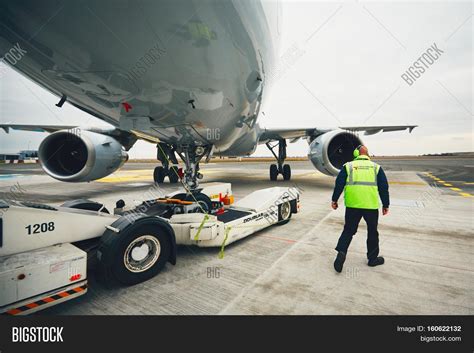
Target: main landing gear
x,y
280,168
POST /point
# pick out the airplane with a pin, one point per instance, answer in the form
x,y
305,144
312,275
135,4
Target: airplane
x,y
189,76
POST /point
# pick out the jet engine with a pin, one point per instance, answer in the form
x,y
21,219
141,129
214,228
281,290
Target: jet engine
x,y
77,155
328,152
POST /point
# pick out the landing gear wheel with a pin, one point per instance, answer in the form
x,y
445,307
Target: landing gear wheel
x,y
173,175
286,172
202,199
284,213
159,175
137,253
273,172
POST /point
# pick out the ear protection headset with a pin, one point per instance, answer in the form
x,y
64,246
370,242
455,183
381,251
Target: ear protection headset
x,y
356,151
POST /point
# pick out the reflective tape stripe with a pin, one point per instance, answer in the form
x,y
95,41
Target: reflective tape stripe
x,y
367,183
350,174
14,312
45,300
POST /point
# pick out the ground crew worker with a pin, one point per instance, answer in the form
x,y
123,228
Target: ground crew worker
x,y
362,182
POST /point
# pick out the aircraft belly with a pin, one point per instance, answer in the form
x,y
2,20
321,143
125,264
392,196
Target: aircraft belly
x,y
183,71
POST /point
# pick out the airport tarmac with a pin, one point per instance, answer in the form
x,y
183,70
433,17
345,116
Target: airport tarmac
x,y
427,241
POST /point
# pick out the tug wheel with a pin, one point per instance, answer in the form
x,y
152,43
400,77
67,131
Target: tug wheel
x,y
137,253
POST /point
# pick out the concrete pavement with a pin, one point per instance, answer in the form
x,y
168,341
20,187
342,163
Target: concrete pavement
x,y
427,241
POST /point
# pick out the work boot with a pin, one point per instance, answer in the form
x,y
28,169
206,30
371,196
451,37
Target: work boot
x,y
375,262
339,262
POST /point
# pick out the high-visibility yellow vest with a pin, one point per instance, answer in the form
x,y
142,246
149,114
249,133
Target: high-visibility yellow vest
x,y
361,189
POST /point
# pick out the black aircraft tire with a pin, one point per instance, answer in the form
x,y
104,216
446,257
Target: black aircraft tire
x,y
273,172
159,174
202,199
286,172
173,175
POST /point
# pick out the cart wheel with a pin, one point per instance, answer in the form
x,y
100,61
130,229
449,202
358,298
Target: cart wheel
x,y
273,172
159,174
284,213
203,200
84,204
173,175
137,253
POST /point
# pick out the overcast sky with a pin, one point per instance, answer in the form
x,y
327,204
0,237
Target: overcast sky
x,y
340,64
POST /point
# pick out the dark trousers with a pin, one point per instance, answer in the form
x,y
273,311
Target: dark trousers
x,y
352,219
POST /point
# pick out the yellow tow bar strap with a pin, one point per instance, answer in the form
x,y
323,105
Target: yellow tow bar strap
x,y
221,253
204,220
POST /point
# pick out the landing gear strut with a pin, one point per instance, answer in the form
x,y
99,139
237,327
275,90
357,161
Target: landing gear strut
x,y
166,154
191,156
280,168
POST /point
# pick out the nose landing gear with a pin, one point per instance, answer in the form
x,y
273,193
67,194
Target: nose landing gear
x,y
161,172
280,168
191,156
166,155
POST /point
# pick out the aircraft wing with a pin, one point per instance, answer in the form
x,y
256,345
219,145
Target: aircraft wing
x,y
296,133
126,138
36,128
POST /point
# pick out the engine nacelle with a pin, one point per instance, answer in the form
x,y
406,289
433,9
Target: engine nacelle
x,y
328,152
80,155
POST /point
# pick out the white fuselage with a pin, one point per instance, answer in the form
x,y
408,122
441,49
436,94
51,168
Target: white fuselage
x,y
185,71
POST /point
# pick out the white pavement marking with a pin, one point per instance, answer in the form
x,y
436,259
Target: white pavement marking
x,y
298,242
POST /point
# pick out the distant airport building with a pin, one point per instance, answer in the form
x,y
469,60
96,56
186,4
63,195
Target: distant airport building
x,y
28,154
9,157
22,156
